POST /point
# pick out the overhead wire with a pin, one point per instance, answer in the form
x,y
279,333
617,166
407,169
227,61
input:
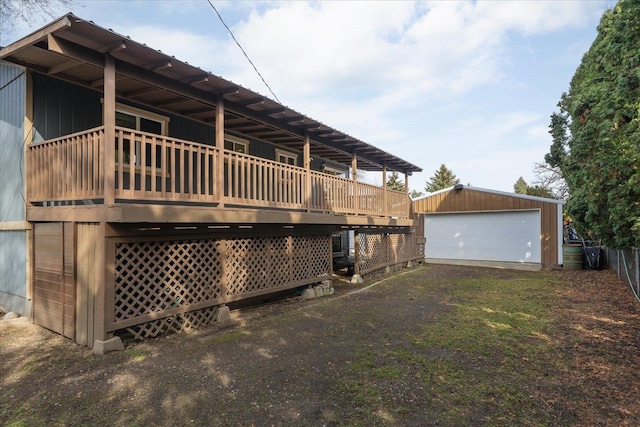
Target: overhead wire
x,y
243,51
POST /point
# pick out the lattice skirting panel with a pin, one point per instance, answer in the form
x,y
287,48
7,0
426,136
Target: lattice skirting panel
x,y
162,278
181,322
381,250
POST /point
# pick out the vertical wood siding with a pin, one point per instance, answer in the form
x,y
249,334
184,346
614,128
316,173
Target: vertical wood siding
x,y
469,200
54,292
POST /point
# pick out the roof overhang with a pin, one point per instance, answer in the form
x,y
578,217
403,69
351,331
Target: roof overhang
x,y
74,50
459,187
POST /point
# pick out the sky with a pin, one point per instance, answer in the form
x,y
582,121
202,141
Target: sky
x,y
468,84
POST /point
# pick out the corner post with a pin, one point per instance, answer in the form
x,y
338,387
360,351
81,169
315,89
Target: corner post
x,y
109,121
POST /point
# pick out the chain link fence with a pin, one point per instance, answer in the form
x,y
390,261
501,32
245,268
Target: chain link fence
x,y
626,263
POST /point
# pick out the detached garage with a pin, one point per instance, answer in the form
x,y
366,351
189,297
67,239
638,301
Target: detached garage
x,y
469,225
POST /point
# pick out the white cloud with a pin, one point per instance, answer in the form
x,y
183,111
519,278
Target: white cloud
x,y
412,78
430,81
199,50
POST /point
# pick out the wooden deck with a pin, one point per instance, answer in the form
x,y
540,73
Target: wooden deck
x,y
152,170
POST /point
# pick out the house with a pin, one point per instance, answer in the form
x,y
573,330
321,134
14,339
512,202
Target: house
x,y
470,225
140,193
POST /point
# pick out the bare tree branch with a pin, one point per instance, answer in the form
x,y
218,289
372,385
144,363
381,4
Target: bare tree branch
x,y
29,10
550,177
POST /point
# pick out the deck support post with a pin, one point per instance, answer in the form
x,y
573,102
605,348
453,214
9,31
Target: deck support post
x,y
385,191
356,278
219,171
406,190
109,120
354,171
307,170
99,292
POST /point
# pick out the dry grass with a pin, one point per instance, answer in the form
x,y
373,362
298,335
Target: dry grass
x,y
439,345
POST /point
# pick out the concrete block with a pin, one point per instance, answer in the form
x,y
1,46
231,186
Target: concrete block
x,y
308,293
112,344
11,315
356,279
409,264
224,314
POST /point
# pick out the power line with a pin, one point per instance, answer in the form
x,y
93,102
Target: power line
x,y
245,53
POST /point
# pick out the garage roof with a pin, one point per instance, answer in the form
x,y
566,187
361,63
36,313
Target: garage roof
x,y
485,190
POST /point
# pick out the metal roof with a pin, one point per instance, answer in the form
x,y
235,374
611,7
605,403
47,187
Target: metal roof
x,y
489,191
73,49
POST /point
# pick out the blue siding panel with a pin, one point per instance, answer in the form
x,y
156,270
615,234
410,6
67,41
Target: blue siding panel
x,y
13,272
13,244
12,109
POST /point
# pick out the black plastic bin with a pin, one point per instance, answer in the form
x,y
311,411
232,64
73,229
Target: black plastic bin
x,y
593,258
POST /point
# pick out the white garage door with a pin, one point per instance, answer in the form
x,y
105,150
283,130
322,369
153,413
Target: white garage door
x,y
488,236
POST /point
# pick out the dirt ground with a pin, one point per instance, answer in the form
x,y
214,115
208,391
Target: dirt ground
x,y
282,363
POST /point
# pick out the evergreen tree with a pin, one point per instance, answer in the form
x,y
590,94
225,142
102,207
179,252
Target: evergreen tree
x,y
394,182
442,178
520,187
415,194
596,132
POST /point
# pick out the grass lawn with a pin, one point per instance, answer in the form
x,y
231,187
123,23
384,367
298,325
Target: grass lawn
x,y
435,345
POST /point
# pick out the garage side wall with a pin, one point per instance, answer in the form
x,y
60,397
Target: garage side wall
x,y
468,200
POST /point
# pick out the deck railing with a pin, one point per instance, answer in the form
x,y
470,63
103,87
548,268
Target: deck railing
x,y
66,168
151,167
